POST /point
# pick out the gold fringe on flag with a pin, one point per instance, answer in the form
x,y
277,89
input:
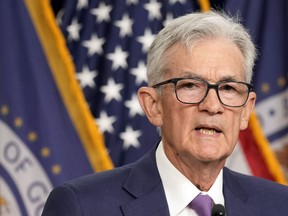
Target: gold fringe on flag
x,y
63,71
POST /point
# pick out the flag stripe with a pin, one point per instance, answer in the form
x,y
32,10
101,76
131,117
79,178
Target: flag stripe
x,y
260,156
64,74
253,155
264,146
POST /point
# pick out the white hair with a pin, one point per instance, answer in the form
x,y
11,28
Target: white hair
x,y
194,27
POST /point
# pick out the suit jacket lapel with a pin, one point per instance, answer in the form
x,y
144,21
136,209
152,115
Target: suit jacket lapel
x,y
144,183
236,198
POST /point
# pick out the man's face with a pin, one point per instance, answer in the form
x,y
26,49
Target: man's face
x,y
207,131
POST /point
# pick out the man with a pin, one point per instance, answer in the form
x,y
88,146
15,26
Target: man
x,y
199,73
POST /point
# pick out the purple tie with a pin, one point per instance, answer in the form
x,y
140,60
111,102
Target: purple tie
x,y
202,204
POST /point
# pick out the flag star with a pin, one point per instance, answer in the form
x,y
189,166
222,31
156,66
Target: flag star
x,y
146,39
4,110
169,17
125,26
18,122
140,73
86,77
153,8
73,30
59,17
82,4
112,91
130,137
129,2
265,87
105,122
56,169
102,12
134,106
45,152
94,45
32,136
118,58
171,2
281,81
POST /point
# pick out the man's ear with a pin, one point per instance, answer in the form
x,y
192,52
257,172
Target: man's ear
x,y
247,110
149,101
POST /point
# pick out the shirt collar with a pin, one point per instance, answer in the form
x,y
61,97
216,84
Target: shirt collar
x,y
178,189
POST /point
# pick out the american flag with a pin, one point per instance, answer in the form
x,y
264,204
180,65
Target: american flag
x,y
108,41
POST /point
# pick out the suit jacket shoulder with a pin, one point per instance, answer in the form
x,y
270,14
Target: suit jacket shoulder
x,y
249,195
128,190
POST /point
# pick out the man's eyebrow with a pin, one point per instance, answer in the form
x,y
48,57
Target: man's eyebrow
x,y
226,78
189,74
229,78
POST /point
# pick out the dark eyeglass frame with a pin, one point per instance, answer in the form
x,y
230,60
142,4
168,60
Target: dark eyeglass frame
x,y
209,86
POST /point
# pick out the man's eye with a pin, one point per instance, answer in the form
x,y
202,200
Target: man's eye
x,y
191,85
188,85
228,88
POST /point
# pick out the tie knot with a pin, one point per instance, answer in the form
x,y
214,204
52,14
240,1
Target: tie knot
x,y
202,204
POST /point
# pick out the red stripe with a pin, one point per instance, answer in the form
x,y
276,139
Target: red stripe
x,y
254,155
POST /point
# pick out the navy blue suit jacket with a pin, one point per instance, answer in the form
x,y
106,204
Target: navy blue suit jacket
x,y
136,189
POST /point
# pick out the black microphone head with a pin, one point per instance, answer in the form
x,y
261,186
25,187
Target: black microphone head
x,y
218,210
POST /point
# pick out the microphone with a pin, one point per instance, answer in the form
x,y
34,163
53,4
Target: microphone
x,y
218,210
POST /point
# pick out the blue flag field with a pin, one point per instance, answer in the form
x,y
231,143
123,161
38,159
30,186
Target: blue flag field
x,y
47,134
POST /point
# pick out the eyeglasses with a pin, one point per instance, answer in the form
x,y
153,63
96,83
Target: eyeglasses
x,y
194,91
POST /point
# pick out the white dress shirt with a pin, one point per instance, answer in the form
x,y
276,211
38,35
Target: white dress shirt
x,y
179,190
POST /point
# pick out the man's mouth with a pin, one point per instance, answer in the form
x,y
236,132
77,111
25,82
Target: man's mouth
x,y
208,131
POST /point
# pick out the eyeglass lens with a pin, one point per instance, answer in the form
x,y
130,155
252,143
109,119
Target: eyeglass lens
x,y
194,91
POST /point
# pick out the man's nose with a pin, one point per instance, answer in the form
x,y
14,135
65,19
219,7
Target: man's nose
x,y
211,102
